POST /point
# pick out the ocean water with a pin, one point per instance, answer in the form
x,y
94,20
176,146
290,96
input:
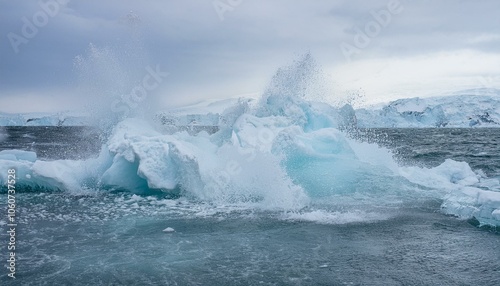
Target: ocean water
x,y
51,142
429,147
388,235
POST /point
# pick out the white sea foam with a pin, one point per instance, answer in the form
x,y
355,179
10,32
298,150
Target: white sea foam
x,y
336,217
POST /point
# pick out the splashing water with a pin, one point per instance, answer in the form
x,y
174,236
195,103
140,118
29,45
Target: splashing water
x,y
284,154
106,74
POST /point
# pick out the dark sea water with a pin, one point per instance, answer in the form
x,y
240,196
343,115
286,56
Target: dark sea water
x,y
479,147
50,142
115,238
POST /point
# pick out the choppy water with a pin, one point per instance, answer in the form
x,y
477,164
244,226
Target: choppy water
x,y
115,238
50,142
479,147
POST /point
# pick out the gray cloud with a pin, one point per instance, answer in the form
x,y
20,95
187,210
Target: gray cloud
x,y
207,57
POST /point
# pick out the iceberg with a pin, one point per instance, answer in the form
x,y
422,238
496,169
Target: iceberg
x,y
281,152
464,197
265,162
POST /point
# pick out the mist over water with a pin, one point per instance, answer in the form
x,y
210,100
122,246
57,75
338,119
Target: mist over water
x,y
107,75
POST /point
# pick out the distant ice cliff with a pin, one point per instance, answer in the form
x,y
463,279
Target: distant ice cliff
x,y
44,119
470,108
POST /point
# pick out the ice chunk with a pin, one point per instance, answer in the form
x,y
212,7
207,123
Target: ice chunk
x,y
18,155
447,175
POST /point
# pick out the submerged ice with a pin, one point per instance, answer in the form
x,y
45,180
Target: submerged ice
x,y
282,153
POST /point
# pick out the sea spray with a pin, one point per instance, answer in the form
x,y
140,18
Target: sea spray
x,y
109,74
285,154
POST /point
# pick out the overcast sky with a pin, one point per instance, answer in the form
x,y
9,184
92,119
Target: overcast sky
x,y
55,55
